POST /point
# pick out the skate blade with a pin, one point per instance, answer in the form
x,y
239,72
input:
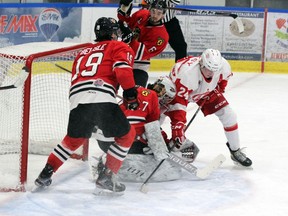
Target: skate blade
x,y
105,192
240,166
37,189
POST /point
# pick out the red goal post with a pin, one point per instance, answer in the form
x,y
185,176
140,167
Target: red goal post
x,y
34,106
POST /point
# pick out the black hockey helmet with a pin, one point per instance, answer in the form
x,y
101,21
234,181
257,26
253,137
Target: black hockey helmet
x,y
158,4
105,27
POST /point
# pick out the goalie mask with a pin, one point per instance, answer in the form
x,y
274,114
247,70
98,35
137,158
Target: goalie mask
x,y
165,89
106,28
211,59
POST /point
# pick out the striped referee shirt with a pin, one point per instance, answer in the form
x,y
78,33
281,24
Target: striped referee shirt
x,y
170,13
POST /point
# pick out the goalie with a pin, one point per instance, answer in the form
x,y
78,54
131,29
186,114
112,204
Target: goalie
x,y
150,145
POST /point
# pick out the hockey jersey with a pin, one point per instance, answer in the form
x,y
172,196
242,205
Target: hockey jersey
x,y
152,39
147,111
192,86
98,70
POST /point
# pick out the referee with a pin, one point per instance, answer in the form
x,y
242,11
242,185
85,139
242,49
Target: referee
x,y
176,37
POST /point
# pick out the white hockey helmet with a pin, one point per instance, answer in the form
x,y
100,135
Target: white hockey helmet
x,y
165,89
211,59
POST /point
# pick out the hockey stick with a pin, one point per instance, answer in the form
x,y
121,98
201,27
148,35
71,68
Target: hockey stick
x,y
200,173
208,13
20,81
144,188
62,68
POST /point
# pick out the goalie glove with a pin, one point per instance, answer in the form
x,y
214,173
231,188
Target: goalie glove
x,y
189,151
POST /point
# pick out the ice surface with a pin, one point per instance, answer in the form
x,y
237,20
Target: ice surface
x,y
260,101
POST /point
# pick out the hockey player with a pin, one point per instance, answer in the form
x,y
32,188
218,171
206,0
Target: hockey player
x,y
176,37
145,33
97,71
203,80
149,148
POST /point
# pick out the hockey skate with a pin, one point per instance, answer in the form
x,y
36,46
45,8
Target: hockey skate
x,y
44,178
239,158
106,183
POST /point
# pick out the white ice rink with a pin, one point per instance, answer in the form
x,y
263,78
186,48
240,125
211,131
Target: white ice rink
x,y
260,101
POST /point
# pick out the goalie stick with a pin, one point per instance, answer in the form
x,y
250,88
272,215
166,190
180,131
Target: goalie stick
x,y
208,13
200,173
20,81
144,188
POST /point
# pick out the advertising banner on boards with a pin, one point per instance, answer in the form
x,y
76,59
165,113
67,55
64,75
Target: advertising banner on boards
x,y
219,32
37,24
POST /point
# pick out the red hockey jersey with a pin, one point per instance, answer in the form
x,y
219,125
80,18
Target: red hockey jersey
x,y
147,111
152,40
98,70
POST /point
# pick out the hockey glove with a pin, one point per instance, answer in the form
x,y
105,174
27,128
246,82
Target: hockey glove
x,y
125,7
125,2
130,98
136,33
213,95
127,34
221,86
189,151
178,134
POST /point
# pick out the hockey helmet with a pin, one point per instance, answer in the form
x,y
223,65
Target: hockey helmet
x,y
105,27
211,59
158,4
165,89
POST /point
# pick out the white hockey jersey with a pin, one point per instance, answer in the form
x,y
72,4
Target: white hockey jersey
x,y
191,85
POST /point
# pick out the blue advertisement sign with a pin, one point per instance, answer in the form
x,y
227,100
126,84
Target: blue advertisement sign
x,y
37,24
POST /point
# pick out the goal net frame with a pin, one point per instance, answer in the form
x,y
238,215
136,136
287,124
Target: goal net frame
x,y
49,49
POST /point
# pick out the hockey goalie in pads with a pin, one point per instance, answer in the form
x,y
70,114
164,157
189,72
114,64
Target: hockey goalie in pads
x,y
187,151
137,167
155,140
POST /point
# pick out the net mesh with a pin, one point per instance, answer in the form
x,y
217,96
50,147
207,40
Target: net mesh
x,y
49,104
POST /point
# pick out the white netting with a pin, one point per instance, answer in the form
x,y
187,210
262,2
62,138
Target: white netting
x,y
49,102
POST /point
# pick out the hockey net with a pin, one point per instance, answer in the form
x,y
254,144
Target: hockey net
x,y
33,115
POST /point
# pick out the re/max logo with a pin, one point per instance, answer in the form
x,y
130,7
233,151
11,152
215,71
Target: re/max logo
x,y
22,23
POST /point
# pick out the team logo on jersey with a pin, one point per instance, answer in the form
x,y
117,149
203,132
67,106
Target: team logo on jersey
x,y
145,93
98,82
160,41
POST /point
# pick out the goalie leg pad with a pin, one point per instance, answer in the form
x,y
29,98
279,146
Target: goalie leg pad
x,y
155,140
137,168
